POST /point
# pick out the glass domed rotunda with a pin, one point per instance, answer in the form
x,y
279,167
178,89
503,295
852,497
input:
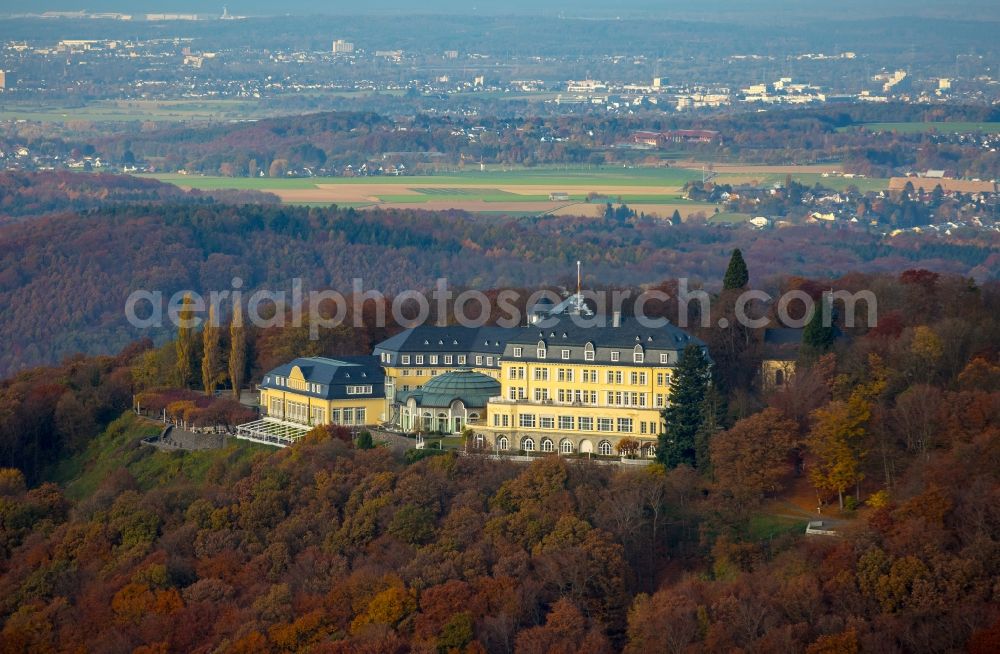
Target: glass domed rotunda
x,y
447,403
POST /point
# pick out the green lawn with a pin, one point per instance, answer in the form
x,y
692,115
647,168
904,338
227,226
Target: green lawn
x,y
729,217
942,127
119,447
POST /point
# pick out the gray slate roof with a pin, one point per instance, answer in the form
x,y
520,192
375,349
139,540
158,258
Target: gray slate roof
x,y
333,376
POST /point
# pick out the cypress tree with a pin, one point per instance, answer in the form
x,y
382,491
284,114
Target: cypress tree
x,y
184,345
237,351
684,416
211,365
737,275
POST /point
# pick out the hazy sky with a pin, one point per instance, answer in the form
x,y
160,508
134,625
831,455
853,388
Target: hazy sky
x,y
708,9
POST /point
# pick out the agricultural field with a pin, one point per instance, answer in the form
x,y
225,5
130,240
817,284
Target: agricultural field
x,y
654,191
497,191
941,127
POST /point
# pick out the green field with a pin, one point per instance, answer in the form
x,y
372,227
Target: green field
x,y
551,177
729,218
942,127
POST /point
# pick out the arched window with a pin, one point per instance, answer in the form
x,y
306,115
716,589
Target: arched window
x,y
588,352
541,349
502,443
547,445
528,445
650,450
638,356
604,449
566,446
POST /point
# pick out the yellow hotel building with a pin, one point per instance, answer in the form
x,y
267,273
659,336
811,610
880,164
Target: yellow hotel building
x,y
569,382
317,391
571,388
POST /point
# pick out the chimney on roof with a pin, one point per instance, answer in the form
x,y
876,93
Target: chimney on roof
x,y
616,319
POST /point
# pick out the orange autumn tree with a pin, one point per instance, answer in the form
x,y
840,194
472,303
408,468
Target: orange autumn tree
x,y
751,458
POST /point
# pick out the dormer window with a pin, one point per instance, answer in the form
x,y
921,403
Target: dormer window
x,y
565,354
541,352
518,352
615,355
588,352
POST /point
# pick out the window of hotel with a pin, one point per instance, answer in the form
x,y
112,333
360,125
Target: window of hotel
x,y
360,416
518,351
605,424
547,422
406,372
496,419
614,376
588,355
447,359
528,445
565,354
317,416
505,420
565,422
625,425
658,400
348,416
502,443
527,420
512,393
489,361
664,357
405,359
541,352
590,376
479,359
547,445
461,359
335,417
566,446
275,406
359,390
433,359
642,426
614,355
296,412
541,374
604,449
541,394
419,359
585,423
